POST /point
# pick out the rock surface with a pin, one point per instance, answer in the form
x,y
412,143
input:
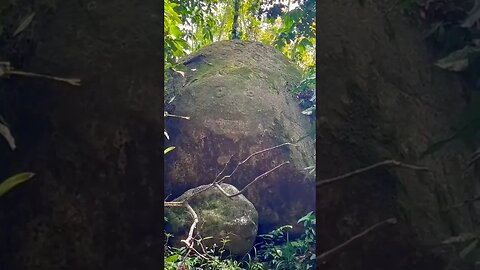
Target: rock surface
x,y
237,95
95,149
380,97
220,217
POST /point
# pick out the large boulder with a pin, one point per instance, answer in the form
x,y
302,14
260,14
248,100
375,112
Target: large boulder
x,y
238,96
220,218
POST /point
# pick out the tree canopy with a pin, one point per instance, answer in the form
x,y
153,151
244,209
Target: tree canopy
x,y
193,24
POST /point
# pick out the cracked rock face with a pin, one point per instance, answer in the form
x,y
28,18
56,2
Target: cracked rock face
x,y
220,218
237,95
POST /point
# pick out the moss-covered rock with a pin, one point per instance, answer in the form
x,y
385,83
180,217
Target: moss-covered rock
x,y
220,217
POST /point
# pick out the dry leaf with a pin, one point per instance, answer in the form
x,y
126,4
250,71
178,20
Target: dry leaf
x,y
25,23
457,60
5,132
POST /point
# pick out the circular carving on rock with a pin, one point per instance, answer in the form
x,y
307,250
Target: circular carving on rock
x,y
250,93
220,93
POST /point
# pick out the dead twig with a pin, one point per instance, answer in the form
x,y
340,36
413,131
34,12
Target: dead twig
x,y
189,239
166,114
468,201
251,183
252,155
368,168
173,204
221,172
7,69
322,257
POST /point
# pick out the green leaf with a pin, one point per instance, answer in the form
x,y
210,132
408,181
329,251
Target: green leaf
x,y
172,258
168,149
14,181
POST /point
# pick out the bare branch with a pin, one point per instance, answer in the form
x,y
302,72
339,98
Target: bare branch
x,y
464,237
254,180
322,257
254,154
371,167
221,172
166,114
173,204
189,239
7,69
71,81
468,201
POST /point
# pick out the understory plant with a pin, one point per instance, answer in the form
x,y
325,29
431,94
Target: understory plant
x,y
279,252
17,179
274,251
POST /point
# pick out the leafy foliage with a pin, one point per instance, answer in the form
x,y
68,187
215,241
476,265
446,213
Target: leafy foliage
x,y
175,45
275,251
298,254
14,181
193,24
455,36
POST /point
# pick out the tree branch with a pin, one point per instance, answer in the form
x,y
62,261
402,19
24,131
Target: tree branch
x,y
322,257
252,155
251,183
189,239
368,168
7,69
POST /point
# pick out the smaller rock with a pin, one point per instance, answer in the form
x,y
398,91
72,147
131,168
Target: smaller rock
x,y
220,217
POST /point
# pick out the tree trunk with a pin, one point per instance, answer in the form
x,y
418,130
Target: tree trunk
x,y
236,13
95,202
381,98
